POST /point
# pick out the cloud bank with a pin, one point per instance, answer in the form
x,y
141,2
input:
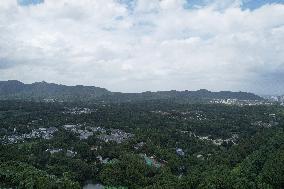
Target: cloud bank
x,y
141,45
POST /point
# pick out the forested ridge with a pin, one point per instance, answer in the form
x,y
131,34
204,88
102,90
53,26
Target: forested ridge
x,y
43,91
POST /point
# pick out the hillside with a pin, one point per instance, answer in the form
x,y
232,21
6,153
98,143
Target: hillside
x,y
41,90
182,96
13,89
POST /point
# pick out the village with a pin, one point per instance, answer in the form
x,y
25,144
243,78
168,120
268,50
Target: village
x,y
220,141
83,132
44,133
110,135
186,115
238,102
78,111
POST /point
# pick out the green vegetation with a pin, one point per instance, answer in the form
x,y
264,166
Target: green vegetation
x,y
25,176
223,146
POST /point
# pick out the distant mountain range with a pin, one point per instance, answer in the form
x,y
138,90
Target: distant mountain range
x,y
14,89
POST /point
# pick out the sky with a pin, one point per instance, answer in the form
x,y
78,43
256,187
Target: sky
x,y
145,45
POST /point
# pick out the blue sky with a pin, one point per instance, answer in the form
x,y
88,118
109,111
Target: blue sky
x,y
247,4
253,4
141,45
30,2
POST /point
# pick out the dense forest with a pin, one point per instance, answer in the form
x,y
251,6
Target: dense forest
x,y
142,144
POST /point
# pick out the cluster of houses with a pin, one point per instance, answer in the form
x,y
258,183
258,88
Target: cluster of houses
x,y
160,112
279,99
265,124
194,115
44,133
240,102
114,135
78,111
49,100
83,133
216,142
220,141
68,153
273,121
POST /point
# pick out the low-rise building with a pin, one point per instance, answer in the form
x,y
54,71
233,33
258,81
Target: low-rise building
x,y
180,152
44,133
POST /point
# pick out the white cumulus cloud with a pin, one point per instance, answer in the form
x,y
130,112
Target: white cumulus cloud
x,y
154,45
